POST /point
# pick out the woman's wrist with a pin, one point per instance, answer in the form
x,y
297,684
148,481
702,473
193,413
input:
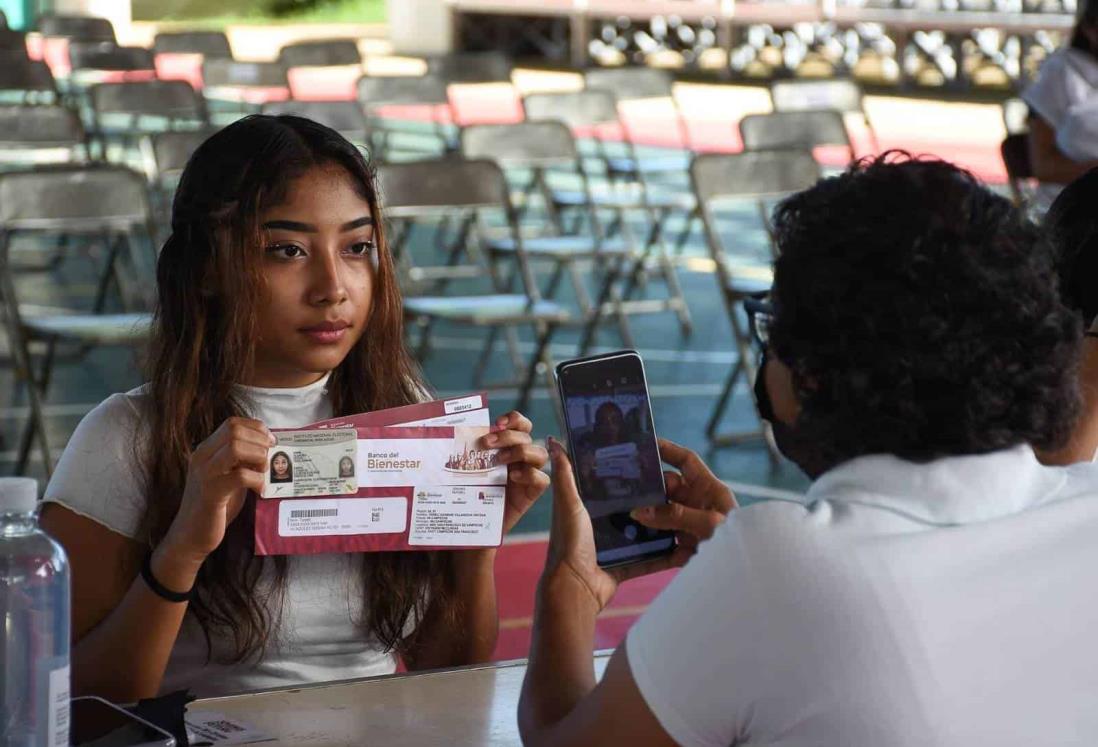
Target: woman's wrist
x,y
175,568
561,589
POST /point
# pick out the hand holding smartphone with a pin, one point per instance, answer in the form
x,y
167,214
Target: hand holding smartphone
x,y
612,442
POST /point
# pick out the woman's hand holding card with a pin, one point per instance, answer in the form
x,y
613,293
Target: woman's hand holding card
x,y
526,480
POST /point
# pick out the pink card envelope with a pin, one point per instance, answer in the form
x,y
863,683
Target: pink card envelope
x,y
412,487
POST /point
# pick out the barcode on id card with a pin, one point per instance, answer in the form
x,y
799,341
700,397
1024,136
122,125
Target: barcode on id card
x,y
314,513
321,517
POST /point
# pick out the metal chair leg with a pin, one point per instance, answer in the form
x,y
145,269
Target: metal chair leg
x,y
540,353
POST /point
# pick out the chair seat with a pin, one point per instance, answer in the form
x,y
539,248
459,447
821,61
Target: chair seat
x,y
678,162
494,309
560,247
105,329
624,199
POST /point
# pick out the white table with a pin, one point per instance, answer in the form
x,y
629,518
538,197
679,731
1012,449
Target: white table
x,y
469,706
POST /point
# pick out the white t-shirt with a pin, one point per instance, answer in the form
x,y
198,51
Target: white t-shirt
x,y
1065,95
945,604
318,638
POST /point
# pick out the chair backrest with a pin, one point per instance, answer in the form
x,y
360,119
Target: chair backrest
x,y
73,198
1015,116
206,43
438,184
794,130
79,28
342,116
841,94
526,144
631,82
577,109
321,53
25,75
226,72
752,174
86,55
374,91
172,99
472,67
12,41
3,20
172,150
39,126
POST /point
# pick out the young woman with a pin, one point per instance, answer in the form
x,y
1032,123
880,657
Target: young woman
x,y
275,226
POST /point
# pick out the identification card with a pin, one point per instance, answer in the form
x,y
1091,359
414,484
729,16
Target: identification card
x,y
315,462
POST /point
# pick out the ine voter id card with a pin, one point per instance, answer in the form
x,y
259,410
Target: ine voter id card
x,y
408,478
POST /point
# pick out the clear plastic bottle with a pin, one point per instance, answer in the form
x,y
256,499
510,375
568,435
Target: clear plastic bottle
x,y
34,614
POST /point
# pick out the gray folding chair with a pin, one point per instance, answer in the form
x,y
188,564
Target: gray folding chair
x,y
377,92
165,155
345,117
91,58
93,202
800,130
320,53
36,134
26,82
13,44
79,28
447,187
755,176
132,110
636,83
206,43
541,148
586,111
840,94
3,20
471,67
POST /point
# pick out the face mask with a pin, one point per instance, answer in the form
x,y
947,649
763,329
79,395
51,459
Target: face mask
x,y
788,441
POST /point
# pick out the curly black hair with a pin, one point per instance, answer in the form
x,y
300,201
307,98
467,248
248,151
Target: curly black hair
x,y
1073,227
920,316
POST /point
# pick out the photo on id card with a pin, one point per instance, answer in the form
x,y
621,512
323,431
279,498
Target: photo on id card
x,y
311,463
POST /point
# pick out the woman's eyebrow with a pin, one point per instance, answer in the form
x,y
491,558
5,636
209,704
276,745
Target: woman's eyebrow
x,y
293,225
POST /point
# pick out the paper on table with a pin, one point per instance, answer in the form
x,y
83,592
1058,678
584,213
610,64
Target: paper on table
x,y
211,728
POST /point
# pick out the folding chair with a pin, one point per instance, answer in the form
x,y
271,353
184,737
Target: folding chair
x,y
758,176
13,44
3,20
95,202
542,147
840,94
419,189
78,28
165,156
35,134
345,117
471,67
423,96
178,55
588,112
800,130
26,82
125,113
320,53
635,84
237,88
206,43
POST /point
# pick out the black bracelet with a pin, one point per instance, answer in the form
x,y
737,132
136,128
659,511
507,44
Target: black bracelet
x,y
158,588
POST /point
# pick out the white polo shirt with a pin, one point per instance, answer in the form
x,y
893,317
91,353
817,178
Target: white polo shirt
x,y
952,603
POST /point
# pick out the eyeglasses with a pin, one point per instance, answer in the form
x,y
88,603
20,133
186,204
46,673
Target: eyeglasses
x,y
760,315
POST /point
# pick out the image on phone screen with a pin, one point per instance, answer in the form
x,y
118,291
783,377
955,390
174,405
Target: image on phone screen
x,y
614,453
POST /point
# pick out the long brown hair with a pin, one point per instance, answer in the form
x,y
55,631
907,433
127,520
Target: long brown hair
x,y
209,283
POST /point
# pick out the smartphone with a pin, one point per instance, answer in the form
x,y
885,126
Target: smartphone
x,y
99,723
612,441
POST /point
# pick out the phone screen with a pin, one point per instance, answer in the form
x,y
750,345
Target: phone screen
x,y
99,723
614,453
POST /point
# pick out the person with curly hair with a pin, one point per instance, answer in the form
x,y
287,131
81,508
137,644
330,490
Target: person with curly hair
x,y
934,586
